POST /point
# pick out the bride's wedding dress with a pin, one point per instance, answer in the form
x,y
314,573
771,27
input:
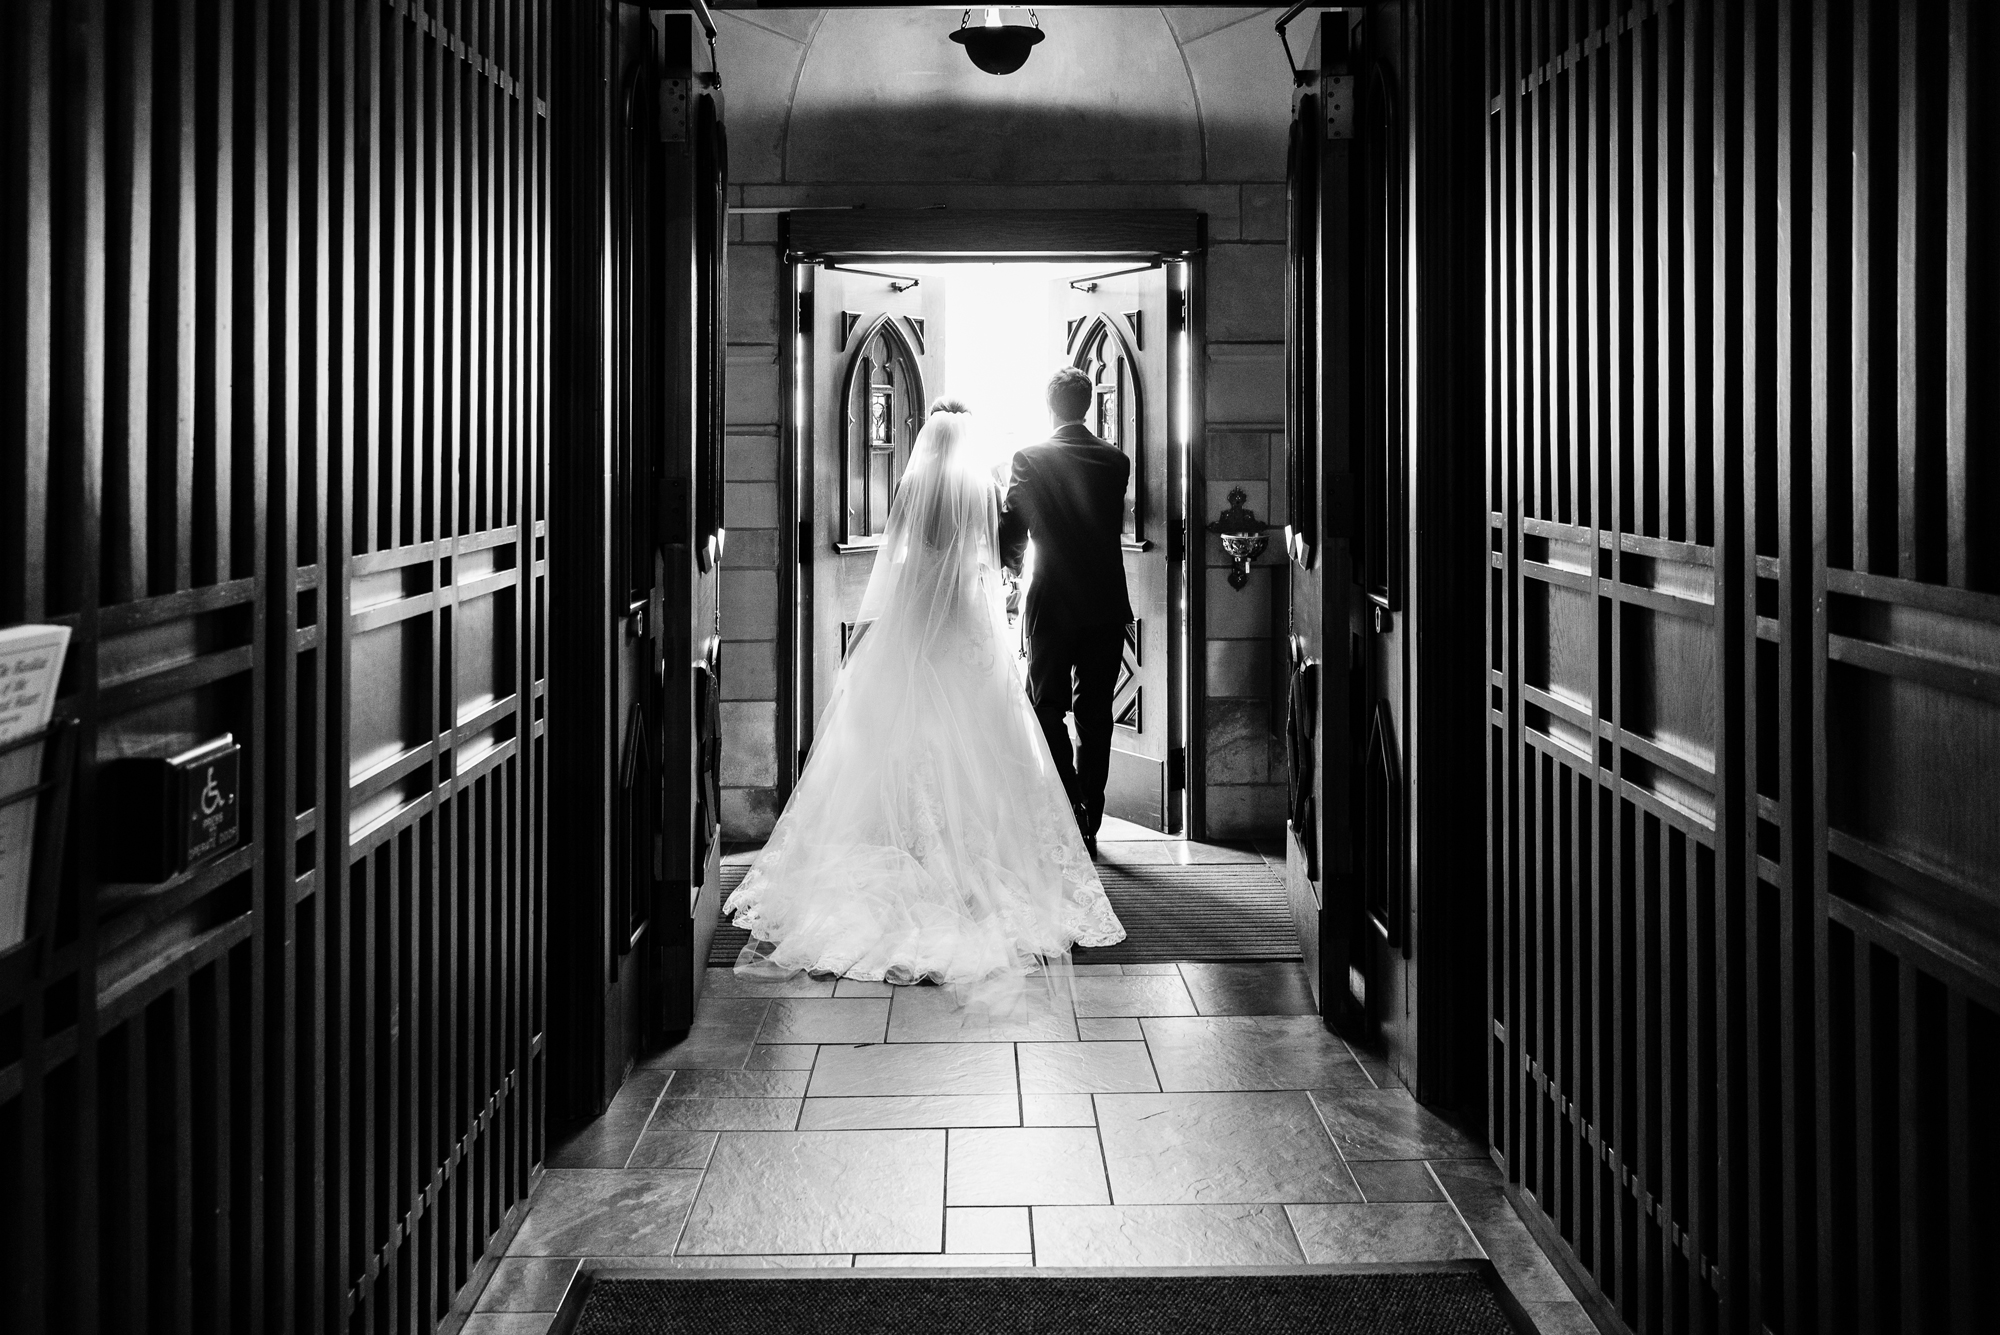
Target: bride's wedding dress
x,y
929,837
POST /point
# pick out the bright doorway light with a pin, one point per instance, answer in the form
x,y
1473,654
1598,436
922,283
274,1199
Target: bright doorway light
x,y
1003,340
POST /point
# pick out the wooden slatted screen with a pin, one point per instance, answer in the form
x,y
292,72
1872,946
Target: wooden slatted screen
x,y
272,444
1744,626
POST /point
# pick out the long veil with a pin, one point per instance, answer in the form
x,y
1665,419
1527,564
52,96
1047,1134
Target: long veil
x,y
929,837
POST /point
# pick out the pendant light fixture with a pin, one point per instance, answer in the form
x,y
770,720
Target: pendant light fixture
x,y
996,47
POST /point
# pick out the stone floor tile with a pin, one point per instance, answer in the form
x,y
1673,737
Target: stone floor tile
x,y
1560,1318
987,1228
1249,1052
914,1068
1383,1074
736,1085
727,1114
1085,1068
929,1015
1395,1180
942,1261
1164,1235
605,1212
1212,1149
713,1052
1377,1234
1390,1124
728,983
1098,970
1524,1268
729,1014
1108,1029
527,1284
1457,1174
1249,989
910,1110
1057,1110
508,1323
825,1020
1155,994
1136,853
819,1192
1194,854
723,1034
607,1141
1120,831
1150,970
782,1057
862,987
669,1147
1026,1166
835,1261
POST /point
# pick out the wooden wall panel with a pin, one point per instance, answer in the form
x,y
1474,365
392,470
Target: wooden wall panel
x,y
274,449
1743,628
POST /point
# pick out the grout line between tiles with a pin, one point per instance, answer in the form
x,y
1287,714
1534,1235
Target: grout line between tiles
x,y
1463,1222
652,1111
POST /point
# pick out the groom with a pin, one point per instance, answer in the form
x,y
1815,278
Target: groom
x,y
1068,494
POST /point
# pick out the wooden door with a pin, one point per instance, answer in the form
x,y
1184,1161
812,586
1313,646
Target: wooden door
x,y
876,349
1384,930
1118,329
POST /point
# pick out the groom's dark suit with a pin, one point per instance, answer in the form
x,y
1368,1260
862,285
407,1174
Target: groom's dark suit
x,y
1068,494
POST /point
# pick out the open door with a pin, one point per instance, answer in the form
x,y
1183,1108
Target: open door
x,y
1118,328
876,348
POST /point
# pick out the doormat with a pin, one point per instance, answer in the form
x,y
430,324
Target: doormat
x,y
1207,913
1449,1298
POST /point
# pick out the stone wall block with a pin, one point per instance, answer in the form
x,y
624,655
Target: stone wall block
x,y
754,283
748,814
750,549
1239,745
1245,299
1239,614
749,670
749,744
749,604
1246,811
751,504
754,392
1246,385
1239,668
1264,212
750,458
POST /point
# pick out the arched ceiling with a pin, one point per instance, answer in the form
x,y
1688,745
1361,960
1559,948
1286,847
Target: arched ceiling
x,y
1125,94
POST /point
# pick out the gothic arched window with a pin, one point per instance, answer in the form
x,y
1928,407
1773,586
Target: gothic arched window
x,y
1114,412
885,397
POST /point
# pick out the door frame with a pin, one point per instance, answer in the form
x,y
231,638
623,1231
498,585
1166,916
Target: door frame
x,y
945,236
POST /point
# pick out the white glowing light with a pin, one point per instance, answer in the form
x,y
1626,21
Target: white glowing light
x,y
992,16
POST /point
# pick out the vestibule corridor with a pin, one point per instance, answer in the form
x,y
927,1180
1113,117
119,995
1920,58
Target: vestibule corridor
x,y
1571,647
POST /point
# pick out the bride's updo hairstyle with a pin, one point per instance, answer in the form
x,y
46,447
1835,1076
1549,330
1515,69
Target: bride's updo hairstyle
x,y
948,405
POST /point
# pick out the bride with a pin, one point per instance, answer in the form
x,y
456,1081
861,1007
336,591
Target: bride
x,y
929,838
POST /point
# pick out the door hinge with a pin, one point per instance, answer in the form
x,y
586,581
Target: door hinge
x,y
805,542
674,98
1176,310
1177,542
1339,97
1176,768
805,312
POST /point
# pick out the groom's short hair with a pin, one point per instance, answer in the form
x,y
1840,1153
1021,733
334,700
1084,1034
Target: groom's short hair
x,y
1069,394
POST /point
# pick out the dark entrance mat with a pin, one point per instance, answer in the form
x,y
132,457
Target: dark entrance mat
x,y
1214,912
1448,1298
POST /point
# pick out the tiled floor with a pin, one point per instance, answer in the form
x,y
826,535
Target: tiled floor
x,y
1175,1115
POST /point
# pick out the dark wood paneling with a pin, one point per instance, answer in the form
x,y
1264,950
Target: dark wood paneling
x,y
821,234
275,451
1742,632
